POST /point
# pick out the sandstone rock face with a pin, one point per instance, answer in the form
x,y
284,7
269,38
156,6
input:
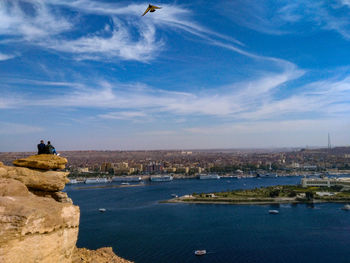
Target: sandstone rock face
x,y
38,223
36,179
42,161
33,228
53,247
102,255
11,187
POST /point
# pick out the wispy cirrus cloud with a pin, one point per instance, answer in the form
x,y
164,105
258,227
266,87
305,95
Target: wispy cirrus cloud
x,y
123,115
226,101
119,44
253,100
125,35
285,17
18,128
4,57
31,20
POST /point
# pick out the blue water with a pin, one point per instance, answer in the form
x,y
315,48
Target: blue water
x,y
141,229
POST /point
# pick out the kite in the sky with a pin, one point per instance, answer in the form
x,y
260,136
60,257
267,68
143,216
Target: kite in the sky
x,y
151,8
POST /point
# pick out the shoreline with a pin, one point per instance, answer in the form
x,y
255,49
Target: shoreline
x,y
177,201
106,186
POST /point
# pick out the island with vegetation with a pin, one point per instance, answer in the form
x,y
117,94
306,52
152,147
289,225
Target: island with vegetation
x,y
269,195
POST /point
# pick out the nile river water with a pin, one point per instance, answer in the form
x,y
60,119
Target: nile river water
x,y
141,229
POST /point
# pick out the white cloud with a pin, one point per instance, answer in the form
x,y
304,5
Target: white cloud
x,y
249,100
123,115
119,44
17,128
286,17
4,57
228,101
127,36
8,101
30,20
323,98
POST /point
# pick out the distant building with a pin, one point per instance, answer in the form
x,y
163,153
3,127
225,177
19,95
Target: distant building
x,y
325,182
105,167
295,165
83,169
153,167
170,169
121,165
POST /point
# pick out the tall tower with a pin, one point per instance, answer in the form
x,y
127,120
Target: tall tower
x,y
329,142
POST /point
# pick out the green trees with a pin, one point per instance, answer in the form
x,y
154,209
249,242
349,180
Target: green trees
x,y
274,193
309,195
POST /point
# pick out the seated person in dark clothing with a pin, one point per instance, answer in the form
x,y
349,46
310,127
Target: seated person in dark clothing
x,y
41,147
49,149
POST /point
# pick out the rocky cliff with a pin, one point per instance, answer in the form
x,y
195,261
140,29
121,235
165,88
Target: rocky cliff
x,y
38,222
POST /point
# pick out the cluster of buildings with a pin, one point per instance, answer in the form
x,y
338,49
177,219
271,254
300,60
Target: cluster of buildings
x,y
201,161
132,168
193,162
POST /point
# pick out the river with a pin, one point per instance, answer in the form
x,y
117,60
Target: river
x,y
141,229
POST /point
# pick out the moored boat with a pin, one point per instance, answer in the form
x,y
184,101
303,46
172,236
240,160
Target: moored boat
x,y
200,252
96,180
161,178
126,179
208,176
72,181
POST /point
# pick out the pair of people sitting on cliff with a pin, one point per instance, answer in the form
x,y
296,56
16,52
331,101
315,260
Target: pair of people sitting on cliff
x,y
46,149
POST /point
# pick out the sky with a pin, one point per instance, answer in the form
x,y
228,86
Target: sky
x,y
96,75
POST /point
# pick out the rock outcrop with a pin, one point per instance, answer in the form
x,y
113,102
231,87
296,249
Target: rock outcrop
x,y
101,255
38,223
36,179
42,161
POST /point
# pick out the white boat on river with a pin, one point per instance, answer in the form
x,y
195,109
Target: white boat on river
x,y
96,180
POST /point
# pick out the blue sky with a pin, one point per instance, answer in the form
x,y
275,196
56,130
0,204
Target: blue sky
x,y
97,75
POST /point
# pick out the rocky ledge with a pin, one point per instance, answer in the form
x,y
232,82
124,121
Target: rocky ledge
x,y
38,222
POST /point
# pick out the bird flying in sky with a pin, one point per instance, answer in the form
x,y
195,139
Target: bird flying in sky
x,y
151,8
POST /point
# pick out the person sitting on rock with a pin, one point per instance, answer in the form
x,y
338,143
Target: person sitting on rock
x,y
50,149
41,147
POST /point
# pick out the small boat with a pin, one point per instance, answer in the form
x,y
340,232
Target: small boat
x,y
200,252
102,209
174,195
346,207
274,212
125,183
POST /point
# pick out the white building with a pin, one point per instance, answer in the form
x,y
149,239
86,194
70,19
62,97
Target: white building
x,y
325,182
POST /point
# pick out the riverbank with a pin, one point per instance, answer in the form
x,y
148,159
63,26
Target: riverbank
x,y
281,194
106,186
252,202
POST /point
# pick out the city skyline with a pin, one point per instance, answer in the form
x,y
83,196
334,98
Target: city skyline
x,y
97,75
